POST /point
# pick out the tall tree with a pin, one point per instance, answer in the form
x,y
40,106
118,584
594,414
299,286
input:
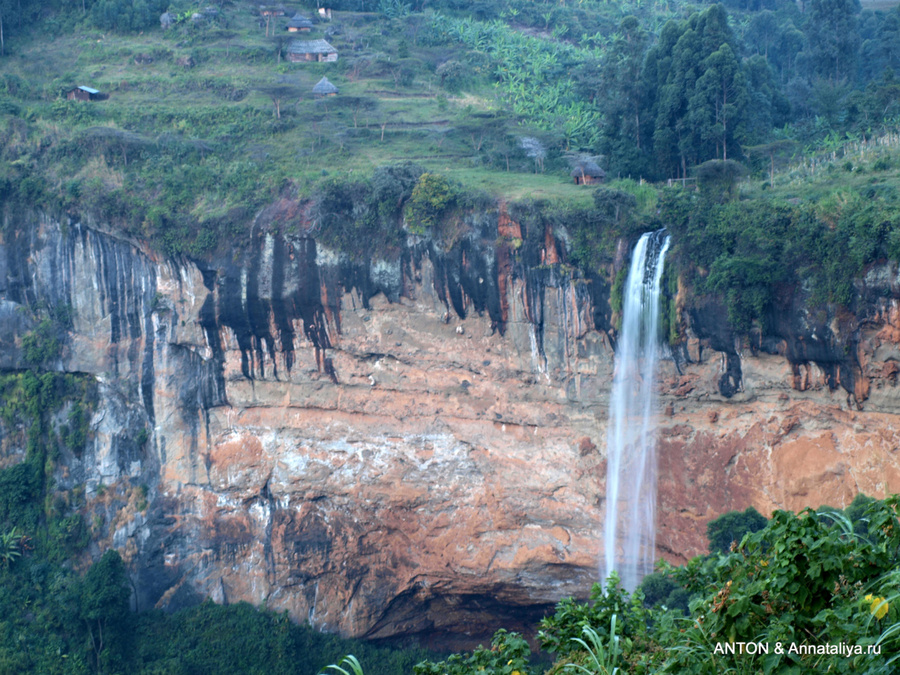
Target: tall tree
x,y
105,596
763,32
700,91
622,99
832,37
717,106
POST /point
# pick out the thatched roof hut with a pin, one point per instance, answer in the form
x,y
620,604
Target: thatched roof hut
x,y
587,172
311,50
324,88
299,24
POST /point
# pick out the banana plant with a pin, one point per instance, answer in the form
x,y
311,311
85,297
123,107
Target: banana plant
x,y
9,547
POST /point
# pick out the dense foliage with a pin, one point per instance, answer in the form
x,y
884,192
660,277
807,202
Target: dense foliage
x,y
811,592
746,250
508,655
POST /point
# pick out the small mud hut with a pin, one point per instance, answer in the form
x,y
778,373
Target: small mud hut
x,y
324,88
299,24
588,173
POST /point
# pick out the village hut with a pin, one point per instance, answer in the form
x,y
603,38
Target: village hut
x,y
84,94
324,88
299,24
311,50
588,173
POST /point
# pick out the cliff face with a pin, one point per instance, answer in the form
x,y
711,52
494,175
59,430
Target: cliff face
x,y
417,446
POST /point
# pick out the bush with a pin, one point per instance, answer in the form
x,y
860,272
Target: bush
x,y
728,529
431,198
127,15
42,344
508,654
558,633
453,74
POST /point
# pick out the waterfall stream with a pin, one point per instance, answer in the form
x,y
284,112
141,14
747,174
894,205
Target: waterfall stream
x,y
629,537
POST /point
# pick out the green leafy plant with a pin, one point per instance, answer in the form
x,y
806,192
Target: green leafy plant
x,y
508,655
431,198
602,657
10,543
42,344
351,662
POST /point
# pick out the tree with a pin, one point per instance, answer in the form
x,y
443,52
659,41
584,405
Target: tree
x,y
717,105
771,150
784,51
432,196
622,98
832,38
766,106
696,89
615,205
105,596
535,150
2,42
763,32
127,15
278,41
731,527
280,92
828,99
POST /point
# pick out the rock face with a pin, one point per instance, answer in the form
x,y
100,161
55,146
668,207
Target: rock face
x,y
416,447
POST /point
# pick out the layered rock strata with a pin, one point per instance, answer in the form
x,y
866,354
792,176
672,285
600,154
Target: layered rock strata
x,y
416,446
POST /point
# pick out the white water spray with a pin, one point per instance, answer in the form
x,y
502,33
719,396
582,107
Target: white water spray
x,y
629,537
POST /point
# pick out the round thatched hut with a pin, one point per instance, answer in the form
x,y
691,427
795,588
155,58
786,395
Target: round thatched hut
x,y
324,88
587,173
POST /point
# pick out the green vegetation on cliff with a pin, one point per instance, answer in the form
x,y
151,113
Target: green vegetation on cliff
x,y
816,591
61,614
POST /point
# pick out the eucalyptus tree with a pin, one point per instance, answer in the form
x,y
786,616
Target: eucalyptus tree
x,y
718,103
696,91
762,32
833,39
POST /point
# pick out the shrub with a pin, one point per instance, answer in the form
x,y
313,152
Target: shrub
x,y
508,654
559,633
431,198
453,74
127,15
42,344
729,528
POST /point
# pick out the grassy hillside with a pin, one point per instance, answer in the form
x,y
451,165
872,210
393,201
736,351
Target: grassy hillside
x,y
205,123
209,120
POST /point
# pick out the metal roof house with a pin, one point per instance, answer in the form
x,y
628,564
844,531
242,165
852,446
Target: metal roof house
x,y
311,50
299,24
84,94
324,88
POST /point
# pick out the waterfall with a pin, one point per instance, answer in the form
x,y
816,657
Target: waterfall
x,y
629,537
